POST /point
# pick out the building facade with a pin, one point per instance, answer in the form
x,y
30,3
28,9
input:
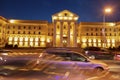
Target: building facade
x,y
63,31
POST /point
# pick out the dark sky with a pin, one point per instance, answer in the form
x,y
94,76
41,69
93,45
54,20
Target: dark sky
x,y
88,10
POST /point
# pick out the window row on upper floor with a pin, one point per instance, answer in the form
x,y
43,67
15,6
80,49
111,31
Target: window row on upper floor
x,y
102,34
100,29
25,27
23,32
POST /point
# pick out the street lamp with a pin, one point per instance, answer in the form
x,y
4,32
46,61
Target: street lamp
x,y
106,11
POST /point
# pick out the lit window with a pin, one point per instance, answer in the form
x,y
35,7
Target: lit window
x,y
99,40
76,18
16,39
36,43
31,44
31,39
94,44
94,40
84,40
113,40
99,44
15,43
10,38
42,39
10,42
26,39
21,38
108,40
54,17
36,39
89,40
60,18
26,43
21,43
48,40
65,18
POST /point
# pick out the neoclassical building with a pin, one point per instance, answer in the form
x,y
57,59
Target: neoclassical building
x,y
63,31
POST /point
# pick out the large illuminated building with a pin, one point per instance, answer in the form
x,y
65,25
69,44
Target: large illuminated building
x,y
63,31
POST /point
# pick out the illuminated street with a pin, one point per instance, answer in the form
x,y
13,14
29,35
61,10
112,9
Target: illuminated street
x,y
33,71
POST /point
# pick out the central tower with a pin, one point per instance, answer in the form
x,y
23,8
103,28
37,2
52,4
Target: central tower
x,y
65,24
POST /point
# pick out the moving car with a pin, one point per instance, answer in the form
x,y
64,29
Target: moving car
x,y
4,52
117,56
73,59
98,53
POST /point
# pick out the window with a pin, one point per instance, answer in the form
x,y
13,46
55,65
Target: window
x,y
91,29
48,34
34,32
58,27
101,34
78,57
114,30
64,27
34,27
87,29
13,27
110,29
29,32
39,27
52,29
19,27
105,29
39,33
29,27
105,34
110,34
24,27
96,29
18,32
77,34
52,34
91,34
13,32
96,34
86,34
8,27
65,14
24,32
8,32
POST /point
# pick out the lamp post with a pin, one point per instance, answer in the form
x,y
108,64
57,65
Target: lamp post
x,y
106,11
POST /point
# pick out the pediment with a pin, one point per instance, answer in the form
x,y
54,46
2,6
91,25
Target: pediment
x,y
66,13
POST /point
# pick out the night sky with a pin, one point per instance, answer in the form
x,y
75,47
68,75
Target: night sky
x,y
88,10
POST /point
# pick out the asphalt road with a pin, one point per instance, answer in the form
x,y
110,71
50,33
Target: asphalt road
x,y
32,71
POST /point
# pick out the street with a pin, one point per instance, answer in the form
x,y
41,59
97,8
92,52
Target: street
x,y
27,68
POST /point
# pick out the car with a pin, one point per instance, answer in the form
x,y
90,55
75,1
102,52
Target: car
x,y
73,59
117,56
4,52
99,55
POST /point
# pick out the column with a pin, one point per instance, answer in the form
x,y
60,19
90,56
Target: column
x,y
54,37
75,35
68,35
61,34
